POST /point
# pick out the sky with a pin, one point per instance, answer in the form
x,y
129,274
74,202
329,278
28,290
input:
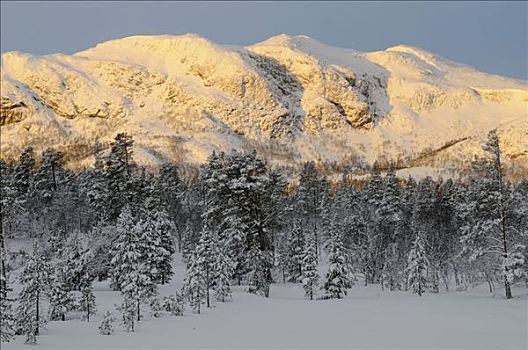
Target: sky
x,y
490,36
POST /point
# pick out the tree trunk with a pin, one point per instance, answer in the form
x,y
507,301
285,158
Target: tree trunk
x,y
507,287
269,279
446,279
179,241
87,310
207,282
436,281
381,279
455,270
38,316
138,311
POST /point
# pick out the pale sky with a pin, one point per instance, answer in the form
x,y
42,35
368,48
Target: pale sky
x,y
491,36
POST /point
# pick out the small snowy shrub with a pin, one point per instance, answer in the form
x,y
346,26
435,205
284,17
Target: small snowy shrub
x,y
106,327
155,308
173,304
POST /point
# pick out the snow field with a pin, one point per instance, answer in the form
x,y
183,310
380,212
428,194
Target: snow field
x,y
366,318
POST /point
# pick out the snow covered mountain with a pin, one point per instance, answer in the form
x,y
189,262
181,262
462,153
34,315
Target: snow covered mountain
x,y
290,97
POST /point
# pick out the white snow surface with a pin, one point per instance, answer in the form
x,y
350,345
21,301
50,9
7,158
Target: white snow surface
x,y
367,318
182,97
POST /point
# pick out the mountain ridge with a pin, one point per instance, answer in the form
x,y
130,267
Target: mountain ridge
x,y
182,97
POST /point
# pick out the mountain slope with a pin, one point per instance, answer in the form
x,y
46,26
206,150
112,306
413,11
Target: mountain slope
x,y
293,98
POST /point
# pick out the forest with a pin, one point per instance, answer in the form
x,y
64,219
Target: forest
x,y
237,221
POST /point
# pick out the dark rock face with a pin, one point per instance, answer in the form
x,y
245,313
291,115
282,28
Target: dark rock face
x,y
12,112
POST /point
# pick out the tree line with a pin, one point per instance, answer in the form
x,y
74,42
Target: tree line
x,y
237,221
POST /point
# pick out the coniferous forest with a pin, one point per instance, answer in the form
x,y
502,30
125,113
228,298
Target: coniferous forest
x,y
236,221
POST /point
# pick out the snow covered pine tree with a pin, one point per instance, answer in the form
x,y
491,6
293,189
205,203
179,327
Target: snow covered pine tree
x,y
7,319
34,280
338,278
417,266
106,327
310,276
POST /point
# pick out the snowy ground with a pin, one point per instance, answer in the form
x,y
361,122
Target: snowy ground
x,y
366,318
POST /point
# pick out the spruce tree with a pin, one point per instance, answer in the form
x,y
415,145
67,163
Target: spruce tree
x,y
425,223
100,238
87,302
373,197
310,197
48,175
131,273
259,276
244,209
223,271
119,171
24,172
170,188
11,206
205,253
77,258
173,304
125,241
339,277
60,298
225,186
310,276
492,146
389,217
392,269
34,280
106,327
128,310
97,190
417,266
449,234
7,319
194,283
519,224
158,245
27,322
355,224
296,251
137,285
489,234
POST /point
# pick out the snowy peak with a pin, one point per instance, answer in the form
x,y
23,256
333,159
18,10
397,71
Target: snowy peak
x,y
292,97
170,55
421,54
461,73
300,42
159,45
